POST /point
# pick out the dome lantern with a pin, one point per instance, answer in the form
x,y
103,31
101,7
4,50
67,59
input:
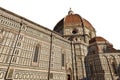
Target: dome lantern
x,y
70,12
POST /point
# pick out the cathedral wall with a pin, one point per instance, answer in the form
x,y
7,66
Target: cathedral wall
x,y
80,51
27,50
100,66
111,71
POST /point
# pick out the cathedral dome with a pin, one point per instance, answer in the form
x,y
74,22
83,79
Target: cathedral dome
x,y
73,20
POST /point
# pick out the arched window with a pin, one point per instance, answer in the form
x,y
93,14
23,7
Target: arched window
x,y
16,52
36,53
75,31
63,60
1,35
51,75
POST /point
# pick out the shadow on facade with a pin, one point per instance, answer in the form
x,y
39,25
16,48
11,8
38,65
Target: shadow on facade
x,y
94,70
118,69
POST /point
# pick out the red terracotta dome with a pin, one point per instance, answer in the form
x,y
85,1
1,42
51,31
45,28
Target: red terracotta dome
x,y
88,24
73,20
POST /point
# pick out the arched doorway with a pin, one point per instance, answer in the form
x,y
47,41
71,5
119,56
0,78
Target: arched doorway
x,y
69,74
69,77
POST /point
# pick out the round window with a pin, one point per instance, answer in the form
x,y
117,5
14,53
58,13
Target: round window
x,y
75,31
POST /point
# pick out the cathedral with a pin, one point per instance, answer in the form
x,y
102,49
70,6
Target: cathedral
x,y
71,51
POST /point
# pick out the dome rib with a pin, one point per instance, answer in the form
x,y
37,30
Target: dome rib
x,y
73,20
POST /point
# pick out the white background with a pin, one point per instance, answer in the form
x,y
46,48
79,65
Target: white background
x,y
104,15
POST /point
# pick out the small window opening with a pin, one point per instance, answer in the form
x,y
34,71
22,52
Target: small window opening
x,y
75,31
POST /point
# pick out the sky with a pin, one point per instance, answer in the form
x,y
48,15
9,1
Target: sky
x,y
104,15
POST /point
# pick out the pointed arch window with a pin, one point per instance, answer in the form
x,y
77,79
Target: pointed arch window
x,y
35,57
63,60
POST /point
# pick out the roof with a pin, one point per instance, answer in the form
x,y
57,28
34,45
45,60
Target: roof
x,y
73,20
109,47
97,39
88,24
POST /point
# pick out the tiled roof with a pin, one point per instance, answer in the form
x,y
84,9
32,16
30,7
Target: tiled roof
x,y
73,20
88,24
97,39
